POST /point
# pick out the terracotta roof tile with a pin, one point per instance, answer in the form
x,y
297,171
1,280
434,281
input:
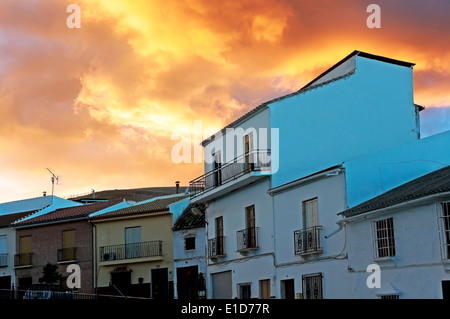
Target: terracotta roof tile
x,y
153,205
68,213
188,219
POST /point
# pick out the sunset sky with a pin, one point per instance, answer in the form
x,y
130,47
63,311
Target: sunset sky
x,y
98,105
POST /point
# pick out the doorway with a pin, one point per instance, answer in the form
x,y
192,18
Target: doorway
x,y
187,282
160,283
287,289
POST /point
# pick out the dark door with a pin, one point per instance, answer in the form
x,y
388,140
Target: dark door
x,y
289,289
5,282
446,289
160,283
187,282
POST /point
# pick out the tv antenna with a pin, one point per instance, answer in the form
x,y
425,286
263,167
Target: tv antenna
x,y
54,178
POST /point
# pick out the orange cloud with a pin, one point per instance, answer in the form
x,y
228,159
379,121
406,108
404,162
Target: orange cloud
x,y
99,104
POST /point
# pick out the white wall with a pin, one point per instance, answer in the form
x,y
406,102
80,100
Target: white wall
x,y
330,192
11,249
254,265
371,110
417,269
376,173
187,258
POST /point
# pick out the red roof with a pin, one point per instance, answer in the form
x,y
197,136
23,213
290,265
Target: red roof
x,y
69,213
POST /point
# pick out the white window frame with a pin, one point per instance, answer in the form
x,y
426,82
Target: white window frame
x,y
389,248
443,218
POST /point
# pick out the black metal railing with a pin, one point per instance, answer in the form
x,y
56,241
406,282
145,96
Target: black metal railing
x,y
307,241
24,259
251,161
247,238
67,254
216,247
134,250
3,260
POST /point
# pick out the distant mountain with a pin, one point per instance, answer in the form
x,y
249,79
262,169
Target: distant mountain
x,y
133,194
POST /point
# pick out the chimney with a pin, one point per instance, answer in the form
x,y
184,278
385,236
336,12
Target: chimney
x,y
44,193
177,183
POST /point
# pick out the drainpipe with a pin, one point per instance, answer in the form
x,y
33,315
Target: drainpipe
x,y
334,231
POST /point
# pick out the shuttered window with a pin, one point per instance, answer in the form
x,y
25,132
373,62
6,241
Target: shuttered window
x,y
310,213
133,247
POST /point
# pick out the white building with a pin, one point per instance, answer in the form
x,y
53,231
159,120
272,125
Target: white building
x,y
276,178
18,210
406,233
189,253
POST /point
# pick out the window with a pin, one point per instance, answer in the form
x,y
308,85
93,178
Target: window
x,y
264,289
312,286
307,239
24,256
251,229
219,236
248,152
133,248
217,167
444,230
310,213
69,245
189,243
383,238
388,297
3,251
245,291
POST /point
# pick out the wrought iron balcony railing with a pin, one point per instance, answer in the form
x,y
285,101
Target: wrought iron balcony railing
x,y
216,247
24,259
134,250
249,162
247,239
307,241
3,260
67,254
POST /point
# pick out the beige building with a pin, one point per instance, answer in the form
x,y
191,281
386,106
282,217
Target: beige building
x,y
134,249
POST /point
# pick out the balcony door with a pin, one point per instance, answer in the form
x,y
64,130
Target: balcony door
x,y
310,223
248,152
310,213
219,236
25,250
69,244
251,224
3,251
133,247
217,168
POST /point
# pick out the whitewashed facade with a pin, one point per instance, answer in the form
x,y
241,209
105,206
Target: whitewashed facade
x,y
321,142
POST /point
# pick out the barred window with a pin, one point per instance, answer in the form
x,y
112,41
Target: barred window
x,y
312,286
389,297
444,230
383,238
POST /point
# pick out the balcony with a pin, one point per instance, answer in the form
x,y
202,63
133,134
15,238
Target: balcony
x,y
307,241
23,260
130,251
67,254
254,161
216,247
247,239
3,260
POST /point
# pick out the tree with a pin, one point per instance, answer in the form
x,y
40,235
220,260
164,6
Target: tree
x,y
50,274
